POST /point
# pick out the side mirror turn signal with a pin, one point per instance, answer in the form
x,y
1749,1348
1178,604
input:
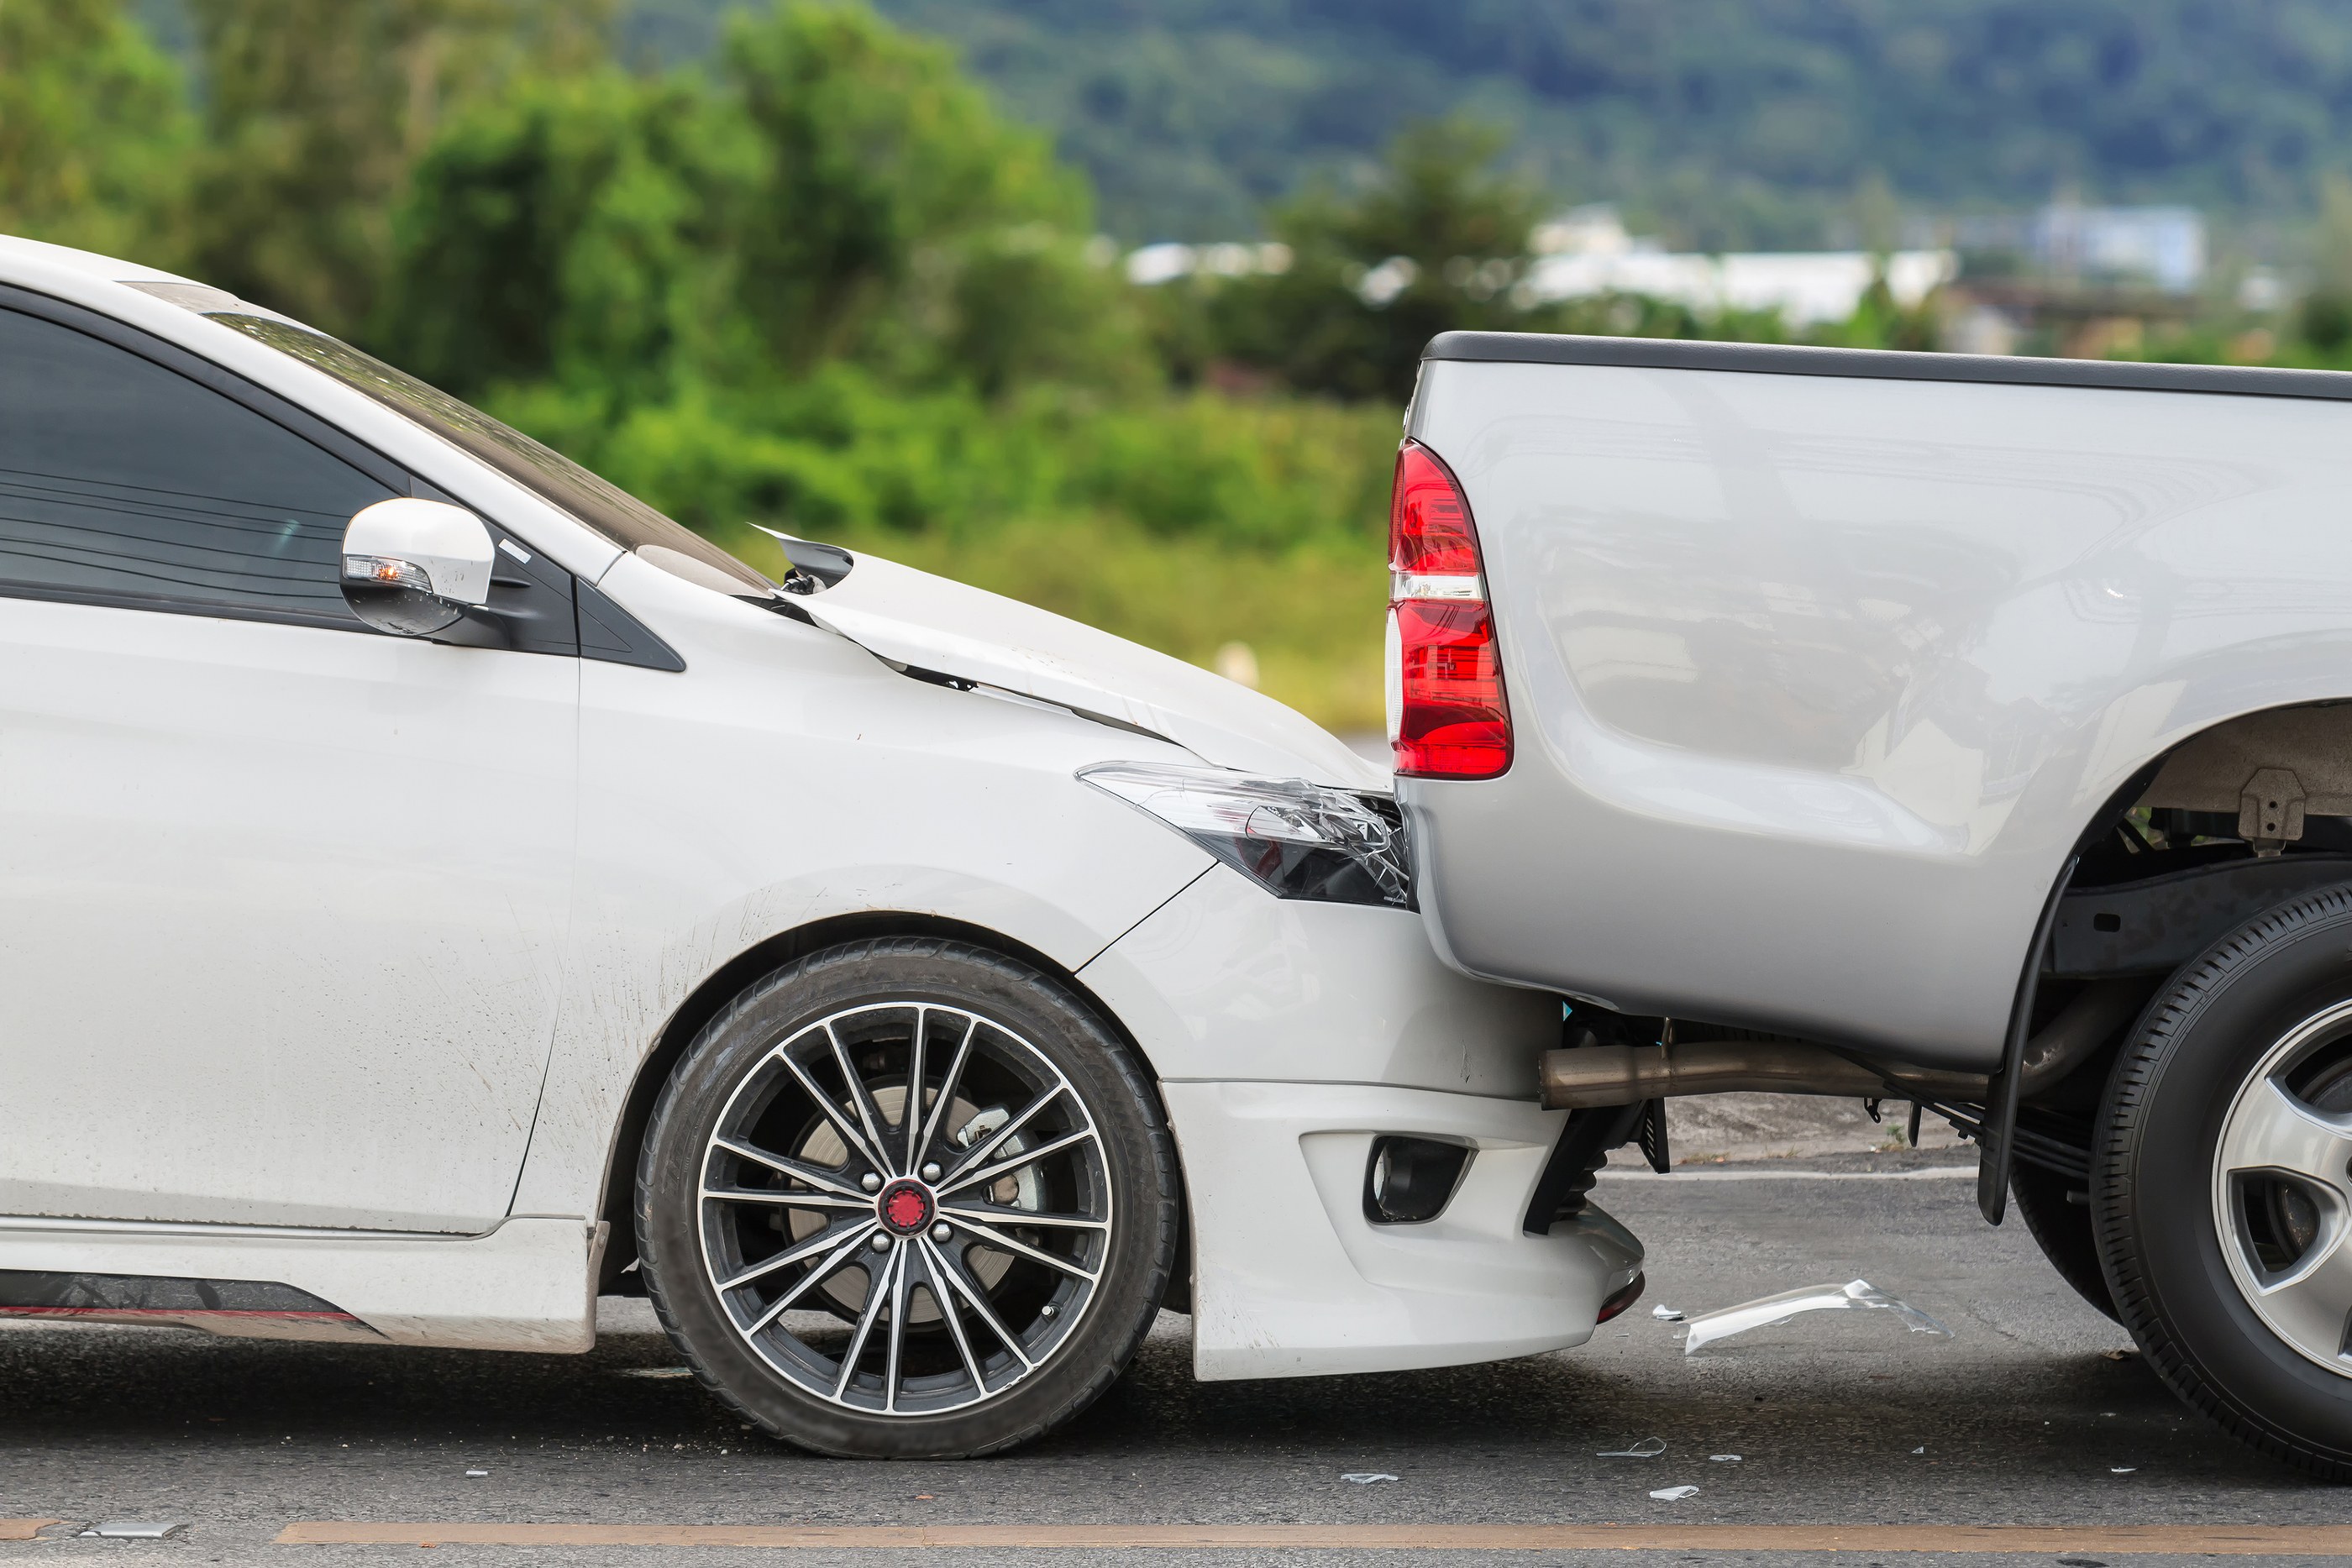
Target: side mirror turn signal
x,y
413,568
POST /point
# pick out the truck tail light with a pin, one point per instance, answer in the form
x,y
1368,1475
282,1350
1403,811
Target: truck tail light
x,y
1447,715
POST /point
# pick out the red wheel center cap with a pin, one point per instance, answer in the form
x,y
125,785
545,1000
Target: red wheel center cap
x,y
904,1206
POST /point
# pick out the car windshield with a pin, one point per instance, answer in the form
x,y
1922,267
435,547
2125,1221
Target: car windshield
x,y
610,510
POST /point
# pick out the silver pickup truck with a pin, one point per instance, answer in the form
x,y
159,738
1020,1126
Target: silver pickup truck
x,y
1975,733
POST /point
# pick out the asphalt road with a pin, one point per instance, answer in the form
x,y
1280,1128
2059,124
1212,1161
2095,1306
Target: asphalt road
x,y
2022,1417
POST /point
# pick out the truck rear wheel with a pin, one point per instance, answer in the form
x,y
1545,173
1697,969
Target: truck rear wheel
x,y
2221,1183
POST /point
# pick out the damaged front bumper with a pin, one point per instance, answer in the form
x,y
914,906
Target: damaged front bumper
x,y
1290,1036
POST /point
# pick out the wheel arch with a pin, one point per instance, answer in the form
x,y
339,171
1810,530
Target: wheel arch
x,y
2267,766
616,1206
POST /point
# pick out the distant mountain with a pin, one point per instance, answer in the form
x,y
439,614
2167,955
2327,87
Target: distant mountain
x,y
1732,121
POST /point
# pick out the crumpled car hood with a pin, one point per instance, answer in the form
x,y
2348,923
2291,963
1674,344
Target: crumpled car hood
x,y
928,622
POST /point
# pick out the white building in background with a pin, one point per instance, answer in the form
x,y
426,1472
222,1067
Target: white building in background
x,y
1588,253
2163,247
1154,265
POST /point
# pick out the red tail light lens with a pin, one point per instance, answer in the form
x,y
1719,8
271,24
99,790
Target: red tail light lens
x,y
1447,715
1429,524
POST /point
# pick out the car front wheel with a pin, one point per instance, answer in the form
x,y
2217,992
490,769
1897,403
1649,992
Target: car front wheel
x,y
907,1198
2223,1183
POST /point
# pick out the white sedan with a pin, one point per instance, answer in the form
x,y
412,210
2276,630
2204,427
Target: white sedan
x,y
436,890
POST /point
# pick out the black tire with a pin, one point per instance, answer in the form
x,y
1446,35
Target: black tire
x,y
2061,1226
762,1065
2157,1164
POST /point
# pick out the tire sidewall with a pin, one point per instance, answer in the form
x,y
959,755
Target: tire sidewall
x,y
2154,1173
2063,1230
1135,1152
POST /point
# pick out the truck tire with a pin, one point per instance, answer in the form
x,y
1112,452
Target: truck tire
x,y
907,1198
2221,1183
2061,1225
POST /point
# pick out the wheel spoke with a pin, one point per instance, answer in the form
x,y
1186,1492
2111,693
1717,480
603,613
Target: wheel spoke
x,y
806,1175
826,1271
998,1139
2313,1304
910,1114
878,1291
995,1214
869,1113
1003,1168
900,1287
935,1279
990,1236
2272,1129
834,1113
948,1086
972,1292
785,1197
798,1250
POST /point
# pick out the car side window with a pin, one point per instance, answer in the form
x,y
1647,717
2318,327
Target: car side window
x,y
125,482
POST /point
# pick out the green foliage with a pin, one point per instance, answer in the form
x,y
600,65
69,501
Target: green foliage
x,y
1436,241
842,451
563,231
94,130
835,192
317,109
890,199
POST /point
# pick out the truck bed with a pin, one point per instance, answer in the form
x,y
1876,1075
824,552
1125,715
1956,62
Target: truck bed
x,y
1820,662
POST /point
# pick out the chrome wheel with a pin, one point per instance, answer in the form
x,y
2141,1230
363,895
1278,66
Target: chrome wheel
x,y
905,1209
2283,1188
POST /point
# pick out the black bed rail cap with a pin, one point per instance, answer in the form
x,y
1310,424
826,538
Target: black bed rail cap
x,y
1883,364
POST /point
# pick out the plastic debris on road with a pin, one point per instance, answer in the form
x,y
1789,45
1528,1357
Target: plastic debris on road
x,y
475,1475
657,1372
1674,1494
2121,1469
137,1529
1724,1459
1647,1448
1666,1314
1366,1477
1922,1450
1854,1295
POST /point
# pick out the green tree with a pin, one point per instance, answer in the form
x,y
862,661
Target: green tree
x,y
1438,240
572,229
317,109
897,220
836,193
94,131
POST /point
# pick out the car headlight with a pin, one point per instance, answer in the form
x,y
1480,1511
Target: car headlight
x,y
1295,839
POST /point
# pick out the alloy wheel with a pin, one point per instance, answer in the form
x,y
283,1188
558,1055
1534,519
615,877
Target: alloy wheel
x,y
2283,1188
905,1209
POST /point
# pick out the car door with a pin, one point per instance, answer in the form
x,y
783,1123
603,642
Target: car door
x,y
282,899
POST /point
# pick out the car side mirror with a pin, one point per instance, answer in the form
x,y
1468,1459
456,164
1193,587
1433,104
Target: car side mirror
x,y
413,568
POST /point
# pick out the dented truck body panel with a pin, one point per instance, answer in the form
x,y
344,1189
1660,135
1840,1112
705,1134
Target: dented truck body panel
x,y
1818,672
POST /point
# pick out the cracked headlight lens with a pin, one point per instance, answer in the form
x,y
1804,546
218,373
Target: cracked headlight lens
x,y
1295,839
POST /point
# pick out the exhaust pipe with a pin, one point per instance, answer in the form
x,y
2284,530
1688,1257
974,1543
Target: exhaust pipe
x,y
1623,1075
